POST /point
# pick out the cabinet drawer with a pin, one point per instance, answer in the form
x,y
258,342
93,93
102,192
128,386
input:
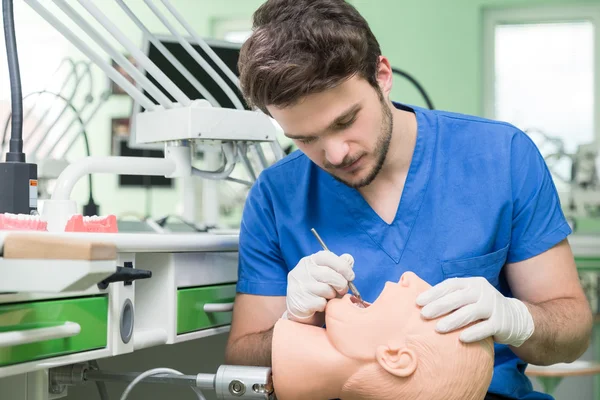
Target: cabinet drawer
x,y
43,329
204,307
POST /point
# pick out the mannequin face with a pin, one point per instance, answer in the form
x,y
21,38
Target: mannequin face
x,y
394,313
385,351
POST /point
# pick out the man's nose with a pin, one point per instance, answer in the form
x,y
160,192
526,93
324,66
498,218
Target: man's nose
x,y
336,150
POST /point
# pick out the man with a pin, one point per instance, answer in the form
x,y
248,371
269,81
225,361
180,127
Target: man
x,y
466,203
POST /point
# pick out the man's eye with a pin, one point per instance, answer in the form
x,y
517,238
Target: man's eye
x,y
307,140
346,124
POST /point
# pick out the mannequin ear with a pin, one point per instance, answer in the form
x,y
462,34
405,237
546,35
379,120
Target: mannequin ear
x,y
397,360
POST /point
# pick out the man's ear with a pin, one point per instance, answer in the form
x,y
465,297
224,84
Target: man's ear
x,y
398,360
384,75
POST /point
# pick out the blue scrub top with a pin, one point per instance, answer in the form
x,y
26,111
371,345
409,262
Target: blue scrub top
x,y
478,195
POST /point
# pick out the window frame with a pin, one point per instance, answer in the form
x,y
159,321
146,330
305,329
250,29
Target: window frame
x,y
531,15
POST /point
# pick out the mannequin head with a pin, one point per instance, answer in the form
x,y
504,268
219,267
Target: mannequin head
x,y
384,351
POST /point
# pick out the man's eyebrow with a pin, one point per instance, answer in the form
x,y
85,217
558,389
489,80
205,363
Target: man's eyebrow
x,y
338,120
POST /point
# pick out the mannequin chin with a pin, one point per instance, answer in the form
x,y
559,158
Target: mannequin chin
x,y
384,351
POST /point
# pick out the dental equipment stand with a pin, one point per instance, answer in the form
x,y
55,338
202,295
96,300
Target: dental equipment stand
x,y
230,381
49,332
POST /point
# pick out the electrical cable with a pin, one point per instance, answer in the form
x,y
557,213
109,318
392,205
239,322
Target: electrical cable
x,y
229,151
102,391
88,100
30,110
417,85
240,181
69,104
104,96
163,221
91,204
88,72
5,130
39,123
15,153
245,160
156,371
9,118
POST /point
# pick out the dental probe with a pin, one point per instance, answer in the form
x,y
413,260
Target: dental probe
x,y
350,283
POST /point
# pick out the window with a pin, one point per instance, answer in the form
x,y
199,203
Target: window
x,y
235,30
237,36
541,74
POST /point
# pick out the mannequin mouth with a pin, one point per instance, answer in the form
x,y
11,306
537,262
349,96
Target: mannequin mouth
x,y
345,309
356,303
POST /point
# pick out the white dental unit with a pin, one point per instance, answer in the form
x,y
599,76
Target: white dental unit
x,y
58,314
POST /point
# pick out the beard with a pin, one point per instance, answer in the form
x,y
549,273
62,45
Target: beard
x,y
382,147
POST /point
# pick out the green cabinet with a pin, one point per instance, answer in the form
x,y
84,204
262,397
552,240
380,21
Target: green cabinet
x,y
588,263
204,307
25,322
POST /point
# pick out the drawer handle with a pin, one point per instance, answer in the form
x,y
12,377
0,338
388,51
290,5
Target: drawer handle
x,y
218,307
15,338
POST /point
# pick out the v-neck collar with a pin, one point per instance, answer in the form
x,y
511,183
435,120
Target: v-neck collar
x,y
392,238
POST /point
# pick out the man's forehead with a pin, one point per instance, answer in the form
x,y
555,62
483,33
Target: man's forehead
x,y
315,111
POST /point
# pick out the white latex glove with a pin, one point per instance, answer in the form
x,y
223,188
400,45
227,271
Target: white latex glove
x,y
315,280
508,320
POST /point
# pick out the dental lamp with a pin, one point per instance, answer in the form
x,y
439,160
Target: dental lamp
x,y
172,119
179,123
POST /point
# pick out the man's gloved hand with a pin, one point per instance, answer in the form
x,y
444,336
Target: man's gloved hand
x,y
314,280
508,320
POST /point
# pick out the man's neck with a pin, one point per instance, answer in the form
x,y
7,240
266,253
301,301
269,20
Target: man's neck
x,y
400,152
402,145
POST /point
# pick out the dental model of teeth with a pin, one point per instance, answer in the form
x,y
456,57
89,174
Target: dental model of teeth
x,y
22,222
96,224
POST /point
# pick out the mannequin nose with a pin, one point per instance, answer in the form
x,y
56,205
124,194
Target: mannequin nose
x,y
336,151
405,279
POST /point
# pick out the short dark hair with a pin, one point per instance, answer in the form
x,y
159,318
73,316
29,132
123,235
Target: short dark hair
x,y
300,47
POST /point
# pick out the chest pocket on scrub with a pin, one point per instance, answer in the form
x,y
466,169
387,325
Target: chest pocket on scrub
x,y
487,266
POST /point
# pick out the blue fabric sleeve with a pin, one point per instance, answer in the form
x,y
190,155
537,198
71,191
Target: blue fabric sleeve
x,y
537,218
261,268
